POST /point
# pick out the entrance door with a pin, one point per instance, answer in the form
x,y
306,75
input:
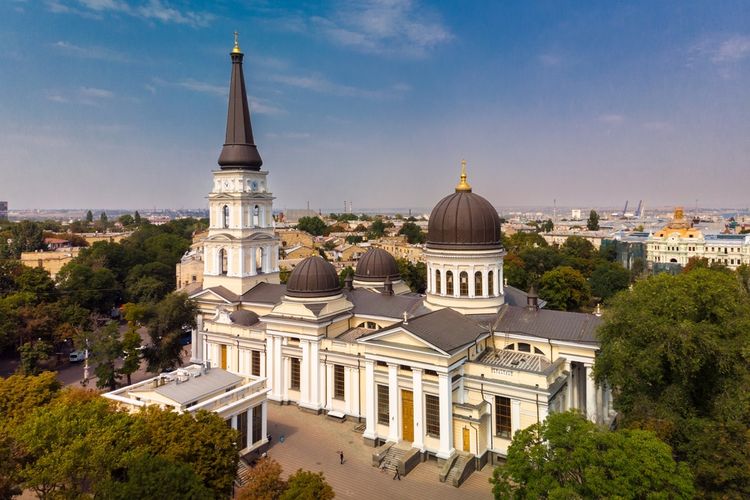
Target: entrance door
x,y
407,410
223,353
467,439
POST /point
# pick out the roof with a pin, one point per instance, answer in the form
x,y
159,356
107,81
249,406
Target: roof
x,y
239,149
548,324
370,303
376,265
193,388
516,297
353,334
313,277
265,293
515,360
464,221
445,329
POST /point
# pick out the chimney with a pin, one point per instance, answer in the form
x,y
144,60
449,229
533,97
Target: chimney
x,y
406,318
532,299
387,286
348,282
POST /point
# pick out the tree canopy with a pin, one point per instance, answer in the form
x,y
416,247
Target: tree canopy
x,y
564,288
313,225
592,224
566,456
676,350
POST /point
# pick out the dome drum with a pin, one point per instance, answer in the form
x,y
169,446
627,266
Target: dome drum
x,y
313,277
464,221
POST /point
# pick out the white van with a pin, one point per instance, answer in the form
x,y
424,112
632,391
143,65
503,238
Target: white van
x,y
77,356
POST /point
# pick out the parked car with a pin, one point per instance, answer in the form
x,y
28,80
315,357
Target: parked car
x,y
77,356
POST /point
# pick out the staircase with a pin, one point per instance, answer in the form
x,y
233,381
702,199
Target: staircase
x,y
461,468
392,459
242,470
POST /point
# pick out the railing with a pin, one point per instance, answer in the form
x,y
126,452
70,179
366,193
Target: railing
x,y
232,396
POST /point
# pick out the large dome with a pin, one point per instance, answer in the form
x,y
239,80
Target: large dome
x,y
464,221
313,277
376,265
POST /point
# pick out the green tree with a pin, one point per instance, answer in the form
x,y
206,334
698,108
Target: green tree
x,y
105,349
577,246
284,274
414,275
547,226
25,236
32,354
103,219
94,289
564,289
348,270
37,282
89,217
306,485
126,220
517,242
566,456
21,394
137,218
608,278
412,232
539,260
377,229
131,343
592,224
263,481
165,326
676,351
515,272
148,476
312,225
353,239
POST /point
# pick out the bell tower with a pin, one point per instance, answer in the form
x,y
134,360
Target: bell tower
x,y
241,249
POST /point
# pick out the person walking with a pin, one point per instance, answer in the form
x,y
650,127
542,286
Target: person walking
x,y
341,456
397,475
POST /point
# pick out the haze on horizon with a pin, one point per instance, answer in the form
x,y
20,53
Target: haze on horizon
x,y
122,103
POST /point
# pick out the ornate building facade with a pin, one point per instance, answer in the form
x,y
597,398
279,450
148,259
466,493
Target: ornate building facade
x,y
455,372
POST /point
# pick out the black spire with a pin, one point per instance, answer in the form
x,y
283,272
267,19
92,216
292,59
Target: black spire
x,y
239,149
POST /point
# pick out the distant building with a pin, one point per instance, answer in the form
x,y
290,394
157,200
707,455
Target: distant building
x,y
189,271
92,238
575,214
240,400
3,210
51,261
679,241
558,237
158,220
400,248
630,248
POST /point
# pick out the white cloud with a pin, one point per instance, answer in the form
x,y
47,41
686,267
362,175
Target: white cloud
x,y
658,126
257,105
150,10
91,96
320,84
93,92
611,119
203,87
91,52
721,50
394,27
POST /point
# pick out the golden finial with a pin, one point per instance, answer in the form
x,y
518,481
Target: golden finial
x,y
236,49
463,185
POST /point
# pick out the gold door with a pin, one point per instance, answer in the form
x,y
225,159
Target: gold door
x,y
407,411
223,350
467,440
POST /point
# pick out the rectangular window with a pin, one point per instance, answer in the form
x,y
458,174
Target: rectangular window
x,y
432,415
383,416
338,381
502,417
242,428
295,374
257,423
256,363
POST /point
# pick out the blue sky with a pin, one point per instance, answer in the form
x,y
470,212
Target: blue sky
x,y
122,103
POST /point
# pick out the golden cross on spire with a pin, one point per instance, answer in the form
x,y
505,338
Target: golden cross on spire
x,y
463,185
236,49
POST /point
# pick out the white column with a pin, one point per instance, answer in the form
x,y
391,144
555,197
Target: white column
x,y
328,403
515,416
316,391
273,380
196,341
264,420
416,374
241,252
393,402
370,409
287,373
543,412
304,383
443,281
496,283
485,285
569,390
263,368
591,410
446,416
501,278
355,405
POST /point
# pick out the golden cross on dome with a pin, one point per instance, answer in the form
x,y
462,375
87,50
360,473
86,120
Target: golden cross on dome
x,y
463,185
236,49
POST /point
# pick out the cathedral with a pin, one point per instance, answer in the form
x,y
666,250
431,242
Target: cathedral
x,y
448,374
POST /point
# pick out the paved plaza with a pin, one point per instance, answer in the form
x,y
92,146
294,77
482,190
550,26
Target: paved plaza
x,y
311,442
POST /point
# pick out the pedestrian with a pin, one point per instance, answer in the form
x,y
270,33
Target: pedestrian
x,y
397,475
341,456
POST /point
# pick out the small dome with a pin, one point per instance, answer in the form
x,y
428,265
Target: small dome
x,y
464,221
244,317
313,277
376,265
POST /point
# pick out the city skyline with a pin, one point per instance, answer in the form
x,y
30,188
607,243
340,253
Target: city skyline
x,y
115,103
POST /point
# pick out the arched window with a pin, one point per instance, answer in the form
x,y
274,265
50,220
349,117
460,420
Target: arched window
x,y
225,216
256,214
463,284
478,283
490,283
449,282
438,284
223,262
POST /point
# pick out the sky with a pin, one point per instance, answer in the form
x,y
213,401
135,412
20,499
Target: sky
x,y
122,103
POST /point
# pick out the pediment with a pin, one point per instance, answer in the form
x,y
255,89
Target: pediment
x,y
399,338
208,295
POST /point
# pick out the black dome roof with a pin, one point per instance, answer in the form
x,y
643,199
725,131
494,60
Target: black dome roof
x,y
313,277
244,317
464,221
376,265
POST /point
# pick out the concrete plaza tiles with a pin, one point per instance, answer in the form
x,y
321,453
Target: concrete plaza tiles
x,y
311,442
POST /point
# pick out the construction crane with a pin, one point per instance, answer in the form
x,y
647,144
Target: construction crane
x,y
624,210
638,210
